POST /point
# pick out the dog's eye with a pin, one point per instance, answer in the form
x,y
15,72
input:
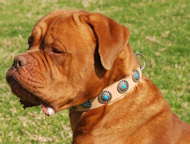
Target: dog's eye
x,y
57,51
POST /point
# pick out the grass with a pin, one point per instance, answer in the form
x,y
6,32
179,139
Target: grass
x,y
160,29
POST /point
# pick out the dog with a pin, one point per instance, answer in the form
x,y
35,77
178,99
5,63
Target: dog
x,y
83,62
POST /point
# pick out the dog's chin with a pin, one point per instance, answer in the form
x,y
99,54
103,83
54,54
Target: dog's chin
x,y
27,97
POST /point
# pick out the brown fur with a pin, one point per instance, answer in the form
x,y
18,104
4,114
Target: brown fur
x,y
72,56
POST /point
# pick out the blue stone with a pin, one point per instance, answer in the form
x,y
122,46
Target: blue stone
x,y
87,104
136,76
122,86
105,97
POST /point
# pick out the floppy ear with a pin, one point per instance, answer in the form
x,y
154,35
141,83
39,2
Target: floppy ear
x,y
110,35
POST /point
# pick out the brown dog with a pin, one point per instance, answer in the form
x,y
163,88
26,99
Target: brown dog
x,y
83,61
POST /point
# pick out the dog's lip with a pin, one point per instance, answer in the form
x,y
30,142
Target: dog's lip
x,y
45,107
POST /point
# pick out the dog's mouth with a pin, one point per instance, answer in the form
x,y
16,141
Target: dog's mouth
x,y
28,98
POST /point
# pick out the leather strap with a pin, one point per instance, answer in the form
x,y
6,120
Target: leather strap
x,y
114,90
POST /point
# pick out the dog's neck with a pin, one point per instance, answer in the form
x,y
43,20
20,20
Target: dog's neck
x,y
123,67
118,118
123,74
102,120
113,92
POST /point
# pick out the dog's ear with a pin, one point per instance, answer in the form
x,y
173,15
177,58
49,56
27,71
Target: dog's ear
x,y
110,36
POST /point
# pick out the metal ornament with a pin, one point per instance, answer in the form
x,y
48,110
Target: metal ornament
x,y
104,97
141,57
136,75
87,104
123,86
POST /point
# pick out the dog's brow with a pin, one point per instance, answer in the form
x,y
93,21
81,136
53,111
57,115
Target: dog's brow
x,y
58,43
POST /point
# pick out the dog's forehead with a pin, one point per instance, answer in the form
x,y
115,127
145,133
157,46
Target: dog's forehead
x,y
61,32
63,29
41,26
59,15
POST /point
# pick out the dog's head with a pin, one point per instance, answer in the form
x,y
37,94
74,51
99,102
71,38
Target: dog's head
x,y
69,59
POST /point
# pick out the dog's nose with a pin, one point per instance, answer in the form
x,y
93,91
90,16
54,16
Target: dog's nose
x,y
19,61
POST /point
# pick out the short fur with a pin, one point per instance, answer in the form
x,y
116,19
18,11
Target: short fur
x,y
72,56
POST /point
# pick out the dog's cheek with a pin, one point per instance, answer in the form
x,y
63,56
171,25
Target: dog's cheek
x,y
62,61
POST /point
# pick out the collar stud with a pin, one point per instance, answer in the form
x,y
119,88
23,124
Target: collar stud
x,y
114,92
104,97
136,75
87,104
122,86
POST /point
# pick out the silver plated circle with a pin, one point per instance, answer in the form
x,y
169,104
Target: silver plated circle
x,y
136,75
104,97
122,86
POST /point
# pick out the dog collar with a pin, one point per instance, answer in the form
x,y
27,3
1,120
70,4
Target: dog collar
x,y
113,93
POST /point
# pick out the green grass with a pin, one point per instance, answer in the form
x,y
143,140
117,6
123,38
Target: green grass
x,y
160,29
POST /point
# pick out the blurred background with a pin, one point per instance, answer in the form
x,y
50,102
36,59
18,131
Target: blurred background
x,y
160,30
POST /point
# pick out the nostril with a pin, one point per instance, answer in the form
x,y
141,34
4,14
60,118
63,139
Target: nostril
x,y
19,61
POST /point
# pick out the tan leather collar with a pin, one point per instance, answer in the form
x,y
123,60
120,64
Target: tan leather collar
x,y
114,92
